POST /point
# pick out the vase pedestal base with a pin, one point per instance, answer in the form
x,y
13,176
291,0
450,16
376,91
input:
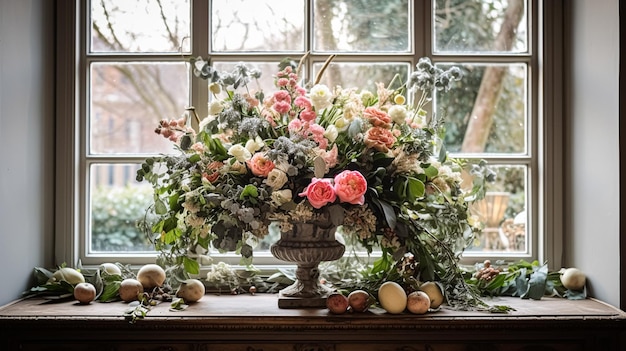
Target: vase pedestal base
x,y
301,302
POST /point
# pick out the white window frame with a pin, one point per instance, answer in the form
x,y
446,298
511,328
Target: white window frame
x,y
544,144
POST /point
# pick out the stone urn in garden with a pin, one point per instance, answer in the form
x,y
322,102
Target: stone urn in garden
x,y
307,243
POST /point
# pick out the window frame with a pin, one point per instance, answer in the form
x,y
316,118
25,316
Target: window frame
x,y
544,158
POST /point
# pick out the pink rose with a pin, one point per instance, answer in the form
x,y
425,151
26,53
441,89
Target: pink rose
x,y
320,192
260,165
350,187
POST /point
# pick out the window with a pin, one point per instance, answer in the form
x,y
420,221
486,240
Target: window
x,y
130,76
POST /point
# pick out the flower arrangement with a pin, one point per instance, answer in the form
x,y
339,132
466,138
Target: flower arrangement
x,y
264,157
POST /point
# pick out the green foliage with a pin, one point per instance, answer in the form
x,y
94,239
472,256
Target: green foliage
x,y
527,280
115,213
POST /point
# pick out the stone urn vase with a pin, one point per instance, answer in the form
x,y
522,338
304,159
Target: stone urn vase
x,y
307,244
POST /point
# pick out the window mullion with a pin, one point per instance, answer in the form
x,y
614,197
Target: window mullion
x,y
200,39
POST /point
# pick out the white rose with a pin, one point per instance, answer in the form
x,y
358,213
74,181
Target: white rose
x,y
320,96
331,133
215,107
240,153
276,179
398,113
254,145
281,197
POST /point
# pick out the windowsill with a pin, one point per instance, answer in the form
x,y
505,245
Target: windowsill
x,y
246,319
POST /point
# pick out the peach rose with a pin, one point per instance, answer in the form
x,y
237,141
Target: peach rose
x,y
260,165
379,138
320,192
350,187
377,117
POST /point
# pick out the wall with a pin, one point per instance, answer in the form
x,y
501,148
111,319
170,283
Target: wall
x,y
592,145
26,141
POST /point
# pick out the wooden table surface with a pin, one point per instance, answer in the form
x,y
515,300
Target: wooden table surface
x,y
257,306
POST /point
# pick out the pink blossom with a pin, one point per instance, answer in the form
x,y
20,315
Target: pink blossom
x,y
350,187
317,134
308,115
303,102
282,106
282,95
300,90
260,165
330,157
295,126
282,82
319,192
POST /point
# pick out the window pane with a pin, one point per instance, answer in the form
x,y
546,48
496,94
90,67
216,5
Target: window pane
x,y
503,213
127,102
361,25
480,26
363,76
164,24
485,112
258,25
264,83
117,202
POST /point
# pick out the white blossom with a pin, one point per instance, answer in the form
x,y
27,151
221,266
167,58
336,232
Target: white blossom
x,y
397,113
276,178
321,96
240,153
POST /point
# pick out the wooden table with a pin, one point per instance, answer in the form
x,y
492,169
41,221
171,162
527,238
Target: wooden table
x,y
255,323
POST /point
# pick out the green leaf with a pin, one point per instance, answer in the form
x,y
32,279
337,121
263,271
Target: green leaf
x,y
390,214
415,189
178,305
185,142
42,275
217,149
194,158
249,191
576,295
537,284
191,266
173,200
110,291
320,167
159,207
431,172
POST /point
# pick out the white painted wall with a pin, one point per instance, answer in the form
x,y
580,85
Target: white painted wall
x,y
26,142
592,147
